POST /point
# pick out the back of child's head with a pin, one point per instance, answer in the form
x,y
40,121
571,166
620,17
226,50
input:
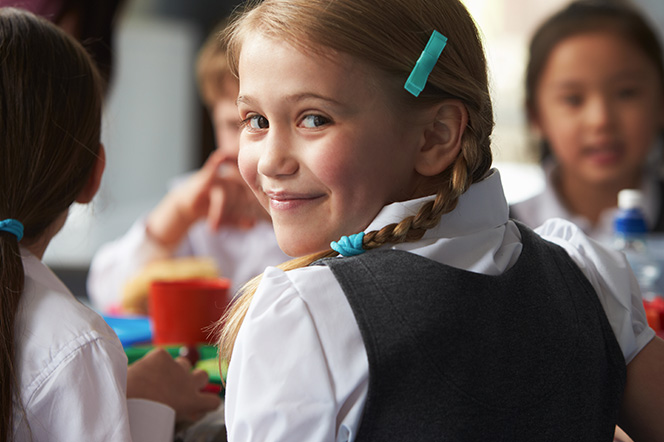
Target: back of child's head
x,y
50,120
215,80
390,36
93,23
582,17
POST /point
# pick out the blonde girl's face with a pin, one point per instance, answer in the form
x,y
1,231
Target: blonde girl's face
x,y
599,104
321,146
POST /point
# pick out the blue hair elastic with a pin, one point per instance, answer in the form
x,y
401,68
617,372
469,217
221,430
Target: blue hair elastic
x,y
12,226
420,73
349,245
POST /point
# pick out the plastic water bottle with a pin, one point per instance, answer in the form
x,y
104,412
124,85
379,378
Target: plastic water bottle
x,y
630,237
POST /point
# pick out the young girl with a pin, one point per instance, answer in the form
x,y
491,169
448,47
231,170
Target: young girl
x,y
595,97
205,214
434,317
63,372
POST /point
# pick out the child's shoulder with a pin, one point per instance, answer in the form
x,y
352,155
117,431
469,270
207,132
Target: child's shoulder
x,y
561,229
296,283
309,294
585,251
52,325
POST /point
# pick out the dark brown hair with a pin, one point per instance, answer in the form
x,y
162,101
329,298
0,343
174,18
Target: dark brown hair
x,y
95,27
582,17
389,35
50,122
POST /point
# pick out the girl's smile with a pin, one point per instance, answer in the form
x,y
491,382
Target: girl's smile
x,y
603,154
321,146
291,201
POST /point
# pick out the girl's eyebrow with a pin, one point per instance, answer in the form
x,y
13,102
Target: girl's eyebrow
x,y
631,74
626,74
245,99
311,95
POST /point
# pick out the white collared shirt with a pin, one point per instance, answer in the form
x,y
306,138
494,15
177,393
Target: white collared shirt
x,y
299,368
73,371
535,210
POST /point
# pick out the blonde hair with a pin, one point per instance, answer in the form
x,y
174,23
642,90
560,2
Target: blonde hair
x,y
390,36
213,74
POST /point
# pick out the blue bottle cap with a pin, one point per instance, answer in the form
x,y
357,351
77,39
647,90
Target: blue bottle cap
x,y
630,221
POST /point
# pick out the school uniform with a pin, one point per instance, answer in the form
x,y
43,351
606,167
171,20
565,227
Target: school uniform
x,y
239,253
300,367
535,210
72,371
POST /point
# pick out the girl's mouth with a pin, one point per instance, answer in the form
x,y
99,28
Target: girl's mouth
x,y
605,154
281,200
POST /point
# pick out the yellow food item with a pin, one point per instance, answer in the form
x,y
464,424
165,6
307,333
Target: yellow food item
x,y
134,297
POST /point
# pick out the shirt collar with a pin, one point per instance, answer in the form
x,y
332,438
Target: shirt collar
x,y
483,206
35,269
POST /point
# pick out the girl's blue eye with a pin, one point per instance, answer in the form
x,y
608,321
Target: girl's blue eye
x,y
256,122
314,121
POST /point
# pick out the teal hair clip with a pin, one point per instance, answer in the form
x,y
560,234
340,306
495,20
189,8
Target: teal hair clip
x,y
12,226
349,245
420,73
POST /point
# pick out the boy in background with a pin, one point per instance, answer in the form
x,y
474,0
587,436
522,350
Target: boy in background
x,y
209,222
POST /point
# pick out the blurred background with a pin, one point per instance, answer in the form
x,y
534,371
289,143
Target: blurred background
x,y
156,128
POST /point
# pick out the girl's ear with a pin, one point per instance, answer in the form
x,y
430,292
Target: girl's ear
x,y
91,187
442,138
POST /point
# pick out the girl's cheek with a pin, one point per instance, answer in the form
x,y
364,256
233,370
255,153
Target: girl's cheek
x,y
247,165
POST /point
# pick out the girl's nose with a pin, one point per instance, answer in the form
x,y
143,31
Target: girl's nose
x,y
599,112
277,158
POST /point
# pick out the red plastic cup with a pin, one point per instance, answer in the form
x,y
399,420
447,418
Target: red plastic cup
x,y
183,310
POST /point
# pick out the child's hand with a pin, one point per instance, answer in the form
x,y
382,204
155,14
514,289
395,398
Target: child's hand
x,y
232,203
160,378
221,198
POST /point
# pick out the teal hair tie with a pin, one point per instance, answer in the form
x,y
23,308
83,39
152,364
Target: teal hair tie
x,y
12,226
349,245
420,73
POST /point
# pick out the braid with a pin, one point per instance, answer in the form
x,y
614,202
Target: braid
x,y
413,227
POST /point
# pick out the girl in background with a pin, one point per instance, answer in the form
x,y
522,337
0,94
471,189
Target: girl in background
x,y
63,372
595,98
366,127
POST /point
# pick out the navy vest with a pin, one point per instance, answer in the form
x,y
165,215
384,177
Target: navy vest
x,y
527,356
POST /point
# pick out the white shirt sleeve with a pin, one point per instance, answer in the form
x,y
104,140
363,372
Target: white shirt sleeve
x,y
612,278
279,385
82,396
119,260
150,421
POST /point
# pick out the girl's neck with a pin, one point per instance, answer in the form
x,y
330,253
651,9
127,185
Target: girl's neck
x,y
39,245
38,248
590,200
